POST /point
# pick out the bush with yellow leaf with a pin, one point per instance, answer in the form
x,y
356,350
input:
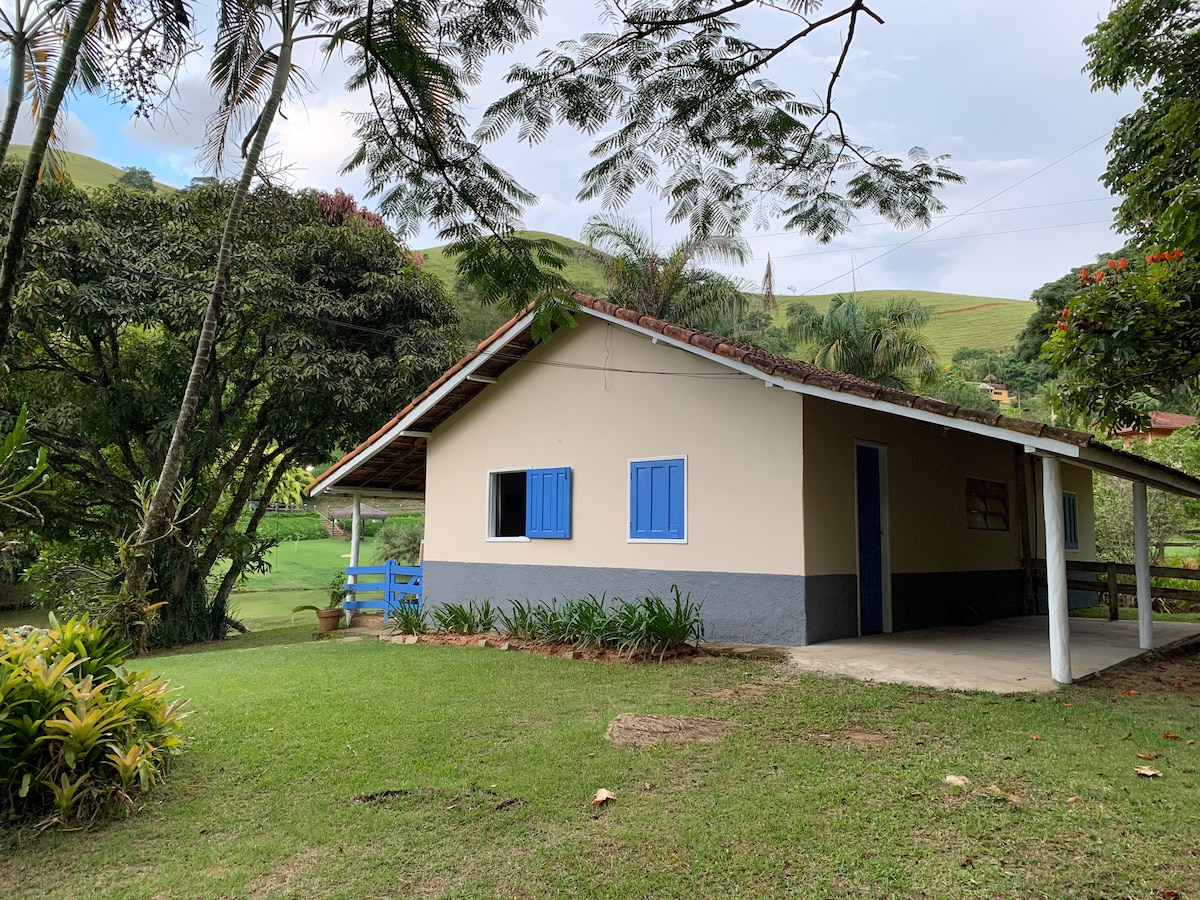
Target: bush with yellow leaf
x,y
81,736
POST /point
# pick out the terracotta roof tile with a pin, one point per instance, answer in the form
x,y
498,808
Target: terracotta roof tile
x,y
767,363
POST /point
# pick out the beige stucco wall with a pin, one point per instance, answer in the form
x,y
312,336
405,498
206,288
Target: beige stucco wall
x,y
1079,480
927,469
742,440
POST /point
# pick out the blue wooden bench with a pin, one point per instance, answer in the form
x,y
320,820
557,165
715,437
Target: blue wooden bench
x,y
394,592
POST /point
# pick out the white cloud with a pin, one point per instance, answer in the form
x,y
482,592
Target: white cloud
x,y
73,133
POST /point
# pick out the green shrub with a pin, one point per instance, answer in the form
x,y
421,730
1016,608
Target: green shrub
x,y
400,539
370,527
80,736
285,526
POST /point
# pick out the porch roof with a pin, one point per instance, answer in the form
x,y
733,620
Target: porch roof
x,y
391,462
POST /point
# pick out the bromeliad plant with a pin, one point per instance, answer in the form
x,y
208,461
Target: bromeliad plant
x,y
80,735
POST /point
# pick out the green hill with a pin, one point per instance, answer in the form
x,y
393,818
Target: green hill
x,y
959,320
585,275
85,171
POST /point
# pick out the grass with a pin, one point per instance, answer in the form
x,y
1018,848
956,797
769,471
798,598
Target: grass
x,y
307,565
1130,613
85,171
494,756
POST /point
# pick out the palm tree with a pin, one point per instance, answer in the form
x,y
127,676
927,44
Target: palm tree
x,y
881,343
672,286
252,75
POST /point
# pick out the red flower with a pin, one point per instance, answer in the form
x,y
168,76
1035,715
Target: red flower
x,y
1098,277
1063,326
1112,263
1083,274
1152,259
1122,264
1066,312
1178,253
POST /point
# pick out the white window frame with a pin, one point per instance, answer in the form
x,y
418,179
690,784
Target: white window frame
x,y
491,510
687,529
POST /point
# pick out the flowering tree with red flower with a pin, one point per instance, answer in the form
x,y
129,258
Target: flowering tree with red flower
x,y
1132,331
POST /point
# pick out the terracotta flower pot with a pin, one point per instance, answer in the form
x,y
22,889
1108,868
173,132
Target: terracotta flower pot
x,y
328,619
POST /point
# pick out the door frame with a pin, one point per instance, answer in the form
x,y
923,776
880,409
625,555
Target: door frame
x,y
885,537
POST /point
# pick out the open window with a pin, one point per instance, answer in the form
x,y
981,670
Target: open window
x,y
529,503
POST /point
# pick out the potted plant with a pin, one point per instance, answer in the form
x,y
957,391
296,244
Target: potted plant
x,y
330,614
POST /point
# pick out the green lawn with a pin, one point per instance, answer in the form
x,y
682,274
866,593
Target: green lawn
x,y
493,758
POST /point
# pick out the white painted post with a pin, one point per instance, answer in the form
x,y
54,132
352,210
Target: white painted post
x,y
1141,566
355,539
1056,571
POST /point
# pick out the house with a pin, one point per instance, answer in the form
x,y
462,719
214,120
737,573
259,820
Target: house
x,y
628,454
995,390
1161,425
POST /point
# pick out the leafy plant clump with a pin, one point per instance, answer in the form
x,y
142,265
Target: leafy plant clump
x,y
80,735
465,618
409,618
647,626
400,539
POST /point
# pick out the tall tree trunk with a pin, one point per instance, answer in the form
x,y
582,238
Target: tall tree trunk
x,y
154,525
16,93
22,209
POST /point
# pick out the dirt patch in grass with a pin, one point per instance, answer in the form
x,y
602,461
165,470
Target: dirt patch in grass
x,y
632,730
471,798
860,738
296,868
1174,672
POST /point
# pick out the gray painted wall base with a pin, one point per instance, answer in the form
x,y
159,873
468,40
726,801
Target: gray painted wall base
x,y
754,609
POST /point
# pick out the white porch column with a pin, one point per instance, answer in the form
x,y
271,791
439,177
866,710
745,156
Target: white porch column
x,y
1141,566
1056,571
355,540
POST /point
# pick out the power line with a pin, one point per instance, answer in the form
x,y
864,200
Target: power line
x,y
960,237
982,212
1012,186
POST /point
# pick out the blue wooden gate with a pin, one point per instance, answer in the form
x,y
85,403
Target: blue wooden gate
x,y
390,591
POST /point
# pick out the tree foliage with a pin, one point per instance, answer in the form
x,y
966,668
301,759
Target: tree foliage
x,y
882,343
138,179
1170,516
1131,332
327,331
678,99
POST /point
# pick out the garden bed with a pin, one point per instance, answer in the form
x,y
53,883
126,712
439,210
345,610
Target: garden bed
x,y
544,648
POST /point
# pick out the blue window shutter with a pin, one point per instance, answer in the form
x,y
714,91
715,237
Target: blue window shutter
x,y
548,503
1070,522
656,500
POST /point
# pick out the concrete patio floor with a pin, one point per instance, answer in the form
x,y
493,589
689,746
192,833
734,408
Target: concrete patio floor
x,y
1005,655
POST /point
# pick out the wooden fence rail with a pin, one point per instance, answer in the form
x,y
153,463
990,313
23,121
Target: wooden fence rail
x,y
1115,588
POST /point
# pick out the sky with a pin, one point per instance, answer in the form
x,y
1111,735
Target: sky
x,y
997,86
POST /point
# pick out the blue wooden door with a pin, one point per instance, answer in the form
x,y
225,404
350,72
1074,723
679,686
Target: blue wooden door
x,y
870,541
